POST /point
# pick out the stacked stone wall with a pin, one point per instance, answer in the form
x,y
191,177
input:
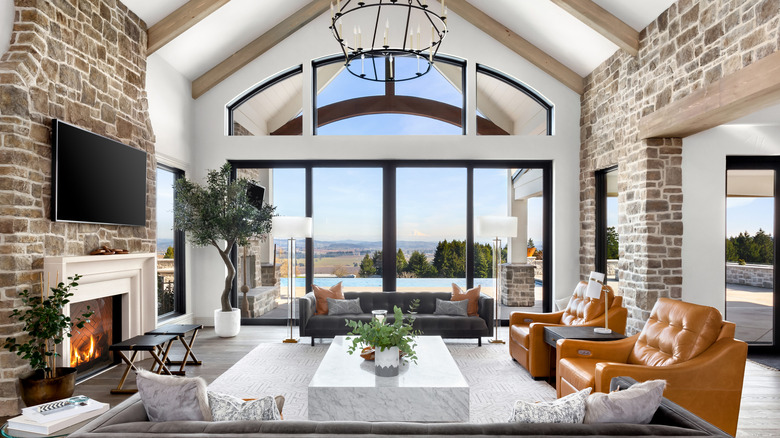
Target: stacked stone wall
x,y
82,62
689,46
751,275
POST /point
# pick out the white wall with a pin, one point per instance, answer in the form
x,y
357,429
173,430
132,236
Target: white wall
x,y
704,204
212,147
6,24
171,113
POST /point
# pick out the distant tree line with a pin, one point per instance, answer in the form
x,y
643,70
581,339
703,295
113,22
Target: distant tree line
x,y
449,261
744,248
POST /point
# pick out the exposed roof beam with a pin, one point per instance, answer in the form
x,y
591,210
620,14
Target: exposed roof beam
x,y
743,92
600,20
263,43
516,43
164,31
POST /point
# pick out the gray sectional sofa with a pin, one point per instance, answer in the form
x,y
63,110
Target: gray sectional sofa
x,y
446,326
129,420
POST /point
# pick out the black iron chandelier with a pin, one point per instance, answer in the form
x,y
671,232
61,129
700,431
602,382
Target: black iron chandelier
x,y
388,40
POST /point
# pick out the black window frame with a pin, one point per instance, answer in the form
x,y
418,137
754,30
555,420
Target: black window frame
x,y
389,230
280,77
600,263
179,258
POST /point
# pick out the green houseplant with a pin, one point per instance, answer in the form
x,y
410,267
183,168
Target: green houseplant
x,y
46,327
389,341
222,215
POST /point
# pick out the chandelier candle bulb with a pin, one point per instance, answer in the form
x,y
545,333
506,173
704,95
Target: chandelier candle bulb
x,y
332,12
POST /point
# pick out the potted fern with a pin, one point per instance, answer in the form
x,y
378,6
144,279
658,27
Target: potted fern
x,y
46,327
389,341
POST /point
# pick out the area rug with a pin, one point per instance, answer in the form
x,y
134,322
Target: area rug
x,y
496,381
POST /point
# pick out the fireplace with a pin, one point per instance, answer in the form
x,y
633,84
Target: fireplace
x,y
89,346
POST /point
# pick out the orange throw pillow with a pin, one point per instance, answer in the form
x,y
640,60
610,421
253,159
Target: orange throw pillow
x,y
322,294
472,295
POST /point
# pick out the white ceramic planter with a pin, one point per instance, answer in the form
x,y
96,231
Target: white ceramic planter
x,y
227,324
386,362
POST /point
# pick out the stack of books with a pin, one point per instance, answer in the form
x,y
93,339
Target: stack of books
x,y
49,418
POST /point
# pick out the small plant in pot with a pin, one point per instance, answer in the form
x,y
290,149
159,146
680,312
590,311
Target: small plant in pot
x,y
46,327
221,214
389,341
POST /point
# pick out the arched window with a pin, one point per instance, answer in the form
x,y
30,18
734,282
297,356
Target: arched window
x,y
510,107
268,108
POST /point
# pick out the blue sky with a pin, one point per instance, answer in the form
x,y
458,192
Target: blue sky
x,y
749,214
164,204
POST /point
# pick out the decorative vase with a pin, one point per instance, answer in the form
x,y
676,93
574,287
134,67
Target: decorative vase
x,y
35,389
531,251
227,324
386,362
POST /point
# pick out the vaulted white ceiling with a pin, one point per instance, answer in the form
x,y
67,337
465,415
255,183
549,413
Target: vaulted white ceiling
x,y
541,22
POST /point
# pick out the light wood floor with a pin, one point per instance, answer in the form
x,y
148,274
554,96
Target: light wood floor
x,y
759,415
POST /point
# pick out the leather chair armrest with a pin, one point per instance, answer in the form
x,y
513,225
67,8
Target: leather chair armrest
x,y
306,309
526,318
608,351
485,311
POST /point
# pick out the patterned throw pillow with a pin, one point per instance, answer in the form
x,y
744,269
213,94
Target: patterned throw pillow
x,y
321,294
455,308
344,307
569,409
636,404
472,295
171,398
225,407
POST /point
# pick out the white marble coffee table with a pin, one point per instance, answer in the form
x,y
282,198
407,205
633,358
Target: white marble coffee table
x,y
346,388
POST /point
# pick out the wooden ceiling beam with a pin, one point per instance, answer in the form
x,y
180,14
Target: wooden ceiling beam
x,y
175,24
263,43
517,44
739,94
603,22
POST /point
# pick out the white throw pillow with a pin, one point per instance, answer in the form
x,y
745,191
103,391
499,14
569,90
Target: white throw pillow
x,y
171,398
569,409
225,407
636,404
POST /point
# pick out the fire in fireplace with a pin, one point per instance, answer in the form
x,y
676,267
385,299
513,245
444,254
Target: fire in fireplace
x,y
89,345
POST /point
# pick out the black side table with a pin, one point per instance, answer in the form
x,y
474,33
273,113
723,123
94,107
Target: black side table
x,y
553,333
180,331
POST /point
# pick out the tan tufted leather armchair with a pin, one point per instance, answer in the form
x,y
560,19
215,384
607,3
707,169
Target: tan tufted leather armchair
x,y
689,345
526,330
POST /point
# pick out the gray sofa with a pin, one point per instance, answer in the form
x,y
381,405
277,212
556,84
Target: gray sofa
x,y
129,420
446,326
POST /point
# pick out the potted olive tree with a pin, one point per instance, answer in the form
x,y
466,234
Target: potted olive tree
x,y
46,327
222,215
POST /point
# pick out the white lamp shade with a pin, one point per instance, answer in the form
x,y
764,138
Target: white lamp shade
x,y
291,226
496,226
595,282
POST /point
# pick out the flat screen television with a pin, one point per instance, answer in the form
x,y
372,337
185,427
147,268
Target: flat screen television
x,y
96,179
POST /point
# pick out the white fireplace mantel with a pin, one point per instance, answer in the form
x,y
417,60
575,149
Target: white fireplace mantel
x,y
133,276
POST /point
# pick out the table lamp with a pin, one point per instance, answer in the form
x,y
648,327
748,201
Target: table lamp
x,y
291,227
496,227
595,286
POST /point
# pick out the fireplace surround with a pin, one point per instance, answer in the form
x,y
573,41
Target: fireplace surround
x,y
128,281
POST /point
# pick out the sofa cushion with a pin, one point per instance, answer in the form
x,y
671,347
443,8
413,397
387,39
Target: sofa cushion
x,y
569,409
170,398
472,295
344,307
676,332
321,295
636,404
225,407
454,308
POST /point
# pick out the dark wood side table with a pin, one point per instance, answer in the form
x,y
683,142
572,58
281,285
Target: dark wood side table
x,y
553,333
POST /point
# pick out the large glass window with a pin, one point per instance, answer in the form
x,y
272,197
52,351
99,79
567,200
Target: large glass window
x,y
507,107
607,234
431,228
170,248
429,105
272,108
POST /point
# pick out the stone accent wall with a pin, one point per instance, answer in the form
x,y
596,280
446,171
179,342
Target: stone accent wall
x,y
750,275
83,62
517,285
689,46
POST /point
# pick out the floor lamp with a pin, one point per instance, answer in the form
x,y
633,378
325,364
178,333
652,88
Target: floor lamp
x,y
496,227
291,227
